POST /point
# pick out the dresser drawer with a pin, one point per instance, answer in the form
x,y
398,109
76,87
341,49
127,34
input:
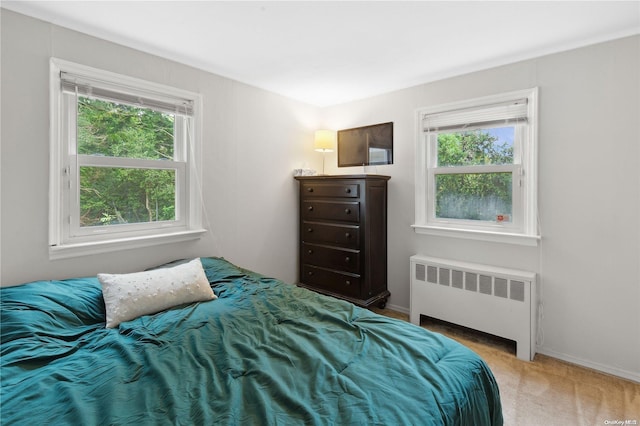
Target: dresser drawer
x,y
335,190
347,236
336,282
329,257
345,211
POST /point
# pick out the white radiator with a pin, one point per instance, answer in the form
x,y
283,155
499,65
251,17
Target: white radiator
x,y
493,300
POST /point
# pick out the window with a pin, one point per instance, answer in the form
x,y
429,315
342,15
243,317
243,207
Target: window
x,y
123,162
476,169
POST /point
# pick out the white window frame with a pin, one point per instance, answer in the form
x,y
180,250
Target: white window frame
x,y
66,237
523,227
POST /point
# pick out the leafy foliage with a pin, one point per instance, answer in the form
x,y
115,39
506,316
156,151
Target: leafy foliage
x,y
110,195
474,196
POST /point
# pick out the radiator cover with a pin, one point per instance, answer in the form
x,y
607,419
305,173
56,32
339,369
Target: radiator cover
x,y
493,300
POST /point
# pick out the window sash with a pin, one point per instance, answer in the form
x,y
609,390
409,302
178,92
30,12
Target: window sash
x,y
431,139
516,198
127,162
76,230
486,168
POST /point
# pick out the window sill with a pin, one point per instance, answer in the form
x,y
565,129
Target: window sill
x,y
496,237
97,247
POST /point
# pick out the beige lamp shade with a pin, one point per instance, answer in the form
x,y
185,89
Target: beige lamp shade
x,y
324,140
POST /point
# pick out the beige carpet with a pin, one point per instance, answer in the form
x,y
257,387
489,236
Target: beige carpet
x,y
546,391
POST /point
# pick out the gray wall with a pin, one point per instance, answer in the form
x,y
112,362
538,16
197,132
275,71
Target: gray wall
x,y
589,185
589,195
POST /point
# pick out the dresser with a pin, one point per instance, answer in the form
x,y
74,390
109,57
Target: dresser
x,y
343,237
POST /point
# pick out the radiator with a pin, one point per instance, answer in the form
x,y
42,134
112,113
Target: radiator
x,y
493,300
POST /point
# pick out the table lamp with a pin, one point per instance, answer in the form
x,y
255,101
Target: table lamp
x,y
324,142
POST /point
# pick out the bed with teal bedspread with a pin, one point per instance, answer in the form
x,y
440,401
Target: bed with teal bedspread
x,y
264,352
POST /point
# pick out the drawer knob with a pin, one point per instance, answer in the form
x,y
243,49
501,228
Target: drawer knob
x,y
347,282
310,251
347,259
310,273
347,190
310,208
309,229
347,235
309,189
347,211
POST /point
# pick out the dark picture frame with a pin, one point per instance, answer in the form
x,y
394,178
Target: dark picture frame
x,y
366,146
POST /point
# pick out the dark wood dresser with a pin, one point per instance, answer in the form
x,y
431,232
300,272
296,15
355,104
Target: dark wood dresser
x,y
343,237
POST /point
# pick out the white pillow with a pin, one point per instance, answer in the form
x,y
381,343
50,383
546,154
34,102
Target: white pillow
x,y
128,296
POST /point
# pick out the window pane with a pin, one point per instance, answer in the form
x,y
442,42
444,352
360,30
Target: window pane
x,y
110,196
476,147
118,130
474,196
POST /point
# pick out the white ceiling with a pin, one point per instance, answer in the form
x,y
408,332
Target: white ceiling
x,y
325,53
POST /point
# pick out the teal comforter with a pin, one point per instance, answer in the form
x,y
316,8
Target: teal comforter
x,y
264,352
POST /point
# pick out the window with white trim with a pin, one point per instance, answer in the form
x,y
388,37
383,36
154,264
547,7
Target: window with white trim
x,y
123,162
476,167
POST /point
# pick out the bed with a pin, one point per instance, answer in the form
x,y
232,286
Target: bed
x,y
262,352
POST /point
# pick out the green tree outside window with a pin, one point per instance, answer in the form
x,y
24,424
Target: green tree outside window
x,y
119,195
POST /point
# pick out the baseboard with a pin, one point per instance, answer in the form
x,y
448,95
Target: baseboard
x,y
629,375
397,308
